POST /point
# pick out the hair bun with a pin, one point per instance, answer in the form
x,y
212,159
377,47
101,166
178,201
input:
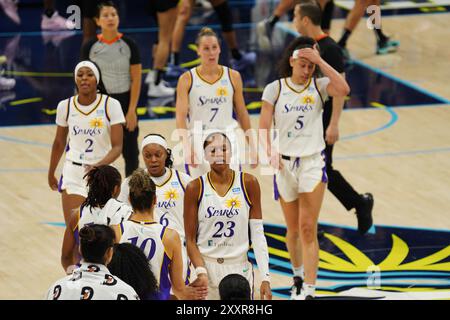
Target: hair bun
x,y
87,234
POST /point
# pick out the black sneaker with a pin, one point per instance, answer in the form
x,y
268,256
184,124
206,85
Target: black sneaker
x,y
364,213
296,288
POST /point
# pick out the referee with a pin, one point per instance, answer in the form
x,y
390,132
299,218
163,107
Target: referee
x,y
120,64
307,20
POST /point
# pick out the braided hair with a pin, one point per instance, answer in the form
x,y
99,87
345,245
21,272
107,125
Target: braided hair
x,y
101,182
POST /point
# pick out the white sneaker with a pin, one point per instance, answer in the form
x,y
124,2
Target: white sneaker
x,y
160,90
10,9
7,83
149,78
56,22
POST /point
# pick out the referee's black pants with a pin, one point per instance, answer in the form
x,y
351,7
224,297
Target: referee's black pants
x,y
130,149
337,184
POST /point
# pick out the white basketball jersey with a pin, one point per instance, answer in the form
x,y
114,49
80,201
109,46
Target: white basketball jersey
x,y
89,131
298,119
170,203
223,222
113,213
211,103
148,237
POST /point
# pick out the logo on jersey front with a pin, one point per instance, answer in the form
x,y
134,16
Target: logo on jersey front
x,y
232,205
308,99
221,92
288,107
169,198
96,123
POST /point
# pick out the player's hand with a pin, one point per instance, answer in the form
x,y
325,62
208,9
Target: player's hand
x,y
332,134
131,120
88,167
265,291
201,281
275,160
190,157
254,159
312,55
53,182
196,293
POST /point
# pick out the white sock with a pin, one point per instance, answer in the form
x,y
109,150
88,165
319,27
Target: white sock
x,y
299,272
309,290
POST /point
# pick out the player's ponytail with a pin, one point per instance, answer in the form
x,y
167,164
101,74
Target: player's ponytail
x,y
95,240
101,182
142,190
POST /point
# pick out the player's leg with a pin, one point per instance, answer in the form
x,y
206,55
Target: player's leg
x,y
353,18
309,209
184,14
327,14
166,23
293,244
69,203
240,60
264,28
384,43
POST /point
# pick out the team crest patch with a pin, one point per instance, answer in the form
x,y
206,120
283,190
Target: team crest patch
x,y
224,82
100,112
174,184
171,194
236,190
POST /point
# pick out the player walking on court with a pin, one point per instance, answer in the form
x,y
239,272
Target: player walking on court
x,y
170,188
220,209
161,244
93,123
295,104
208,95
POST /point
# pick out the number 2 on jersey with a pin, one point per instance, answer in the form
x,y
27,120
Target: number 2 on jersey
x,y
89,148
221,225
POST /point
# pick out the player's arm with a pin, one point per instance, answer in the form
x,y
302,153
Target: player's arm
x,y
242,112
257,237
135,90
69,246
117,232
265,124
116,145
172,242
181,114
191,198
58,147
332,131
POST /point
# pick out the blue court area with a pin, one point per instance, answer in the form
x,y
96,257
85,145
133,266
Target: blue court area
x,y
42,64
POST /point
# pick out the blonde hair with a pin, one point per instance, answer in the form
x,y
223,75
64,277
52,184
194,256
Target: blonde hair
x,y
205,32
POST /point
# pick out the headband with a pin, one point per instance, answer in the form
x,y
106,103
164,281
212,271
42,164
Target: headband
x,y
296,53
90,65
153,139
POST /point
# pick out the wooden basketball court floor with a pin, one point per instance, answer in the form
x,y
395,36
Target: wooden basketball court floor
x,y
401,155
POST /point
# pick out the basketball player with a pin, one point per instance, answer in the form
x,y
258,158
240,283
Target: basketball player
x,y
170,188
240,60
220,209
161,244
295,104
93,281
207,96
93,123
100,207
